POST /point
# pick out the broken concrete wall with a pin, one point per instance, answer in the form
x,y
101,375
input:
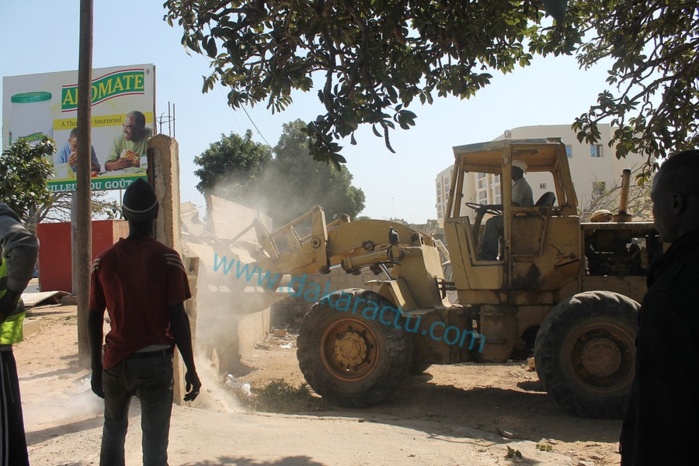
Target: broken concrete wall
x,y
233,311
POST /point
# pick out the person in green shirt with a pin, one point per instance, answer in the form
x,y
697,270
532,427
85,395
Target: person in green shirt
x,y
130,146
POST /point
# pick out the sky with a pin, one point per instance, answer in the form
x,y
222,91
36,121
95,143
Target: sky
x,y
42,36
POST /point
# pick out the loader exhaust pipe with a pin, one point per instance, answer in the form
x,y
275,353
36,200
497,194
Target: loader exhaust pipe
x,y
623,215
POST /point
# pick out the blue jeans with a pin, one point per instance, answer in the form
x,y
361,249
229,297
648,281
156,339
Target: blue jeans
x,y
149,379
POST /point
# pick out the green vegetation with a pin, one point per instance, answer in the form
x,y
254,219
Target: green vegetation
x,y
284,187
25,171
512,453
230,167
279,396
369,61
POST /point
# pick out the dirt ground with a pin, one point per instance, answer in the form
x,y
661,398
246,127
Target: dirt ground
x,y
467,404
503,399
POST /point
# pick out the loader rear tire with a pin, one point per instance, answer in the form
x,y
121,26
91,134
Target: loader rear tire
x,y
585,353
348,357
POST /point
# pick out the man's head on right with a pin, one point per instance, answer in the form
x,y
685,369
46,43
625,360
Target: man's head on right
x,y
134,126
675,195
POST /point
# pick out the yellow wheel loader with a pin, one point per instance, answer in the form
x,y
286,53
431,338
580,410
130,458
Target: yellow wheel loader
x,y
566,291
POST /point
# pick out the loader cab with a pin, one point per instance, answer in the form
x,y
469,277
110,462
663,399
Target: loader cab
x,y
537,245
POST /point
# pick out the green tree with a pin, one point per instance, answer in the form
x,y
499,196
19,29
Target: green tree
x,y
293,183
25,188
653,99
371,59
230,167
285,186
25,170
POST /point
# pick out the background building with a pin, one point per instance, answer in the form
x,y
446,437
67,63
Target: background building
x,y
594,169
443,184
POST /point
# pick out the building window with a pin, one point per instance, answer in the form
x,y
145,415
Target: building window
x,y
495,188
569,151
596,150
598,188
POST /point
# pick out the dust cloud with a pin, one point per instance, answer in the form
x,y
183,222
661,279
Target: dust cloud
x,y
216,396
230,293
75,403
277,193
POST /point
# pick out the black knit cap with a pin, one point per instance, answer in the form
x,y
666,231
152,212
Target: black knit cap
x,y
140,203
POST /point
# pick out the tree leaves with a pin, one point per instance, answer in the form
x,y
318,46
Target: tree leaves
x,y
300,182
371,59
231,165
284,187
24,184
654,96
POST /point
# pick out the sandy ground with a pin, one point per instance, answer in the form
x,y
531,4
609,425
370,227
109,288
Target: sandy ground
x,y
451,415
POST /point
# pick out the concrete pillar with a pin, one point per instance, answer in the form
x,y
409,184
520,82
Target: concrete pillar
x,y
164,176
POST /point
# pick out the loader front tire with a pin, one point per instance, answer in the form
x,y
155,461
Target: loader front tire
x,y
585,353
347,354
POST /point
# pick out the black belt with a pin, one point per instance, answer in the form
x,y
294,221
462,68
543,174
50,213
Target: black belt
x,y
167,352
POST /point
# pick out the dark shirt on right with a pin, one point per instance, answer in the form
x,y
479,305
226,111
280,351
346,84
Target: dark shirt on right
x,y
661,422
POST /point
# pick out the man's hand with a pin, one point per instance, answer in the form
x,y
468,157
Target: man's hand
x,y
73,159
96,383
124,162
192,385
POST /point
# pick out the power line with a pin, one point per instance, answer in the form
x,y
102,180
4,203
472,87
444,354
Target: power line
x,y
249,118
253,124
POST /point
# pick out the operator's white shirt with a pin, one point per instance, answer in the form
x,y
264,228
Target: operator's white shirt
x,y
522,193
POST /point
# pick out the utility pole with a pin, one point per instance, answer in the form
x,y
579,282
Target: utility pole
x,y
83,218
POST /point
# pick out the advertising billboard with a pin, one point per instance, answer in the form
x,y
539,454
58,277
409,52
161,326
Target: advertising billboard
x,y
123,109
